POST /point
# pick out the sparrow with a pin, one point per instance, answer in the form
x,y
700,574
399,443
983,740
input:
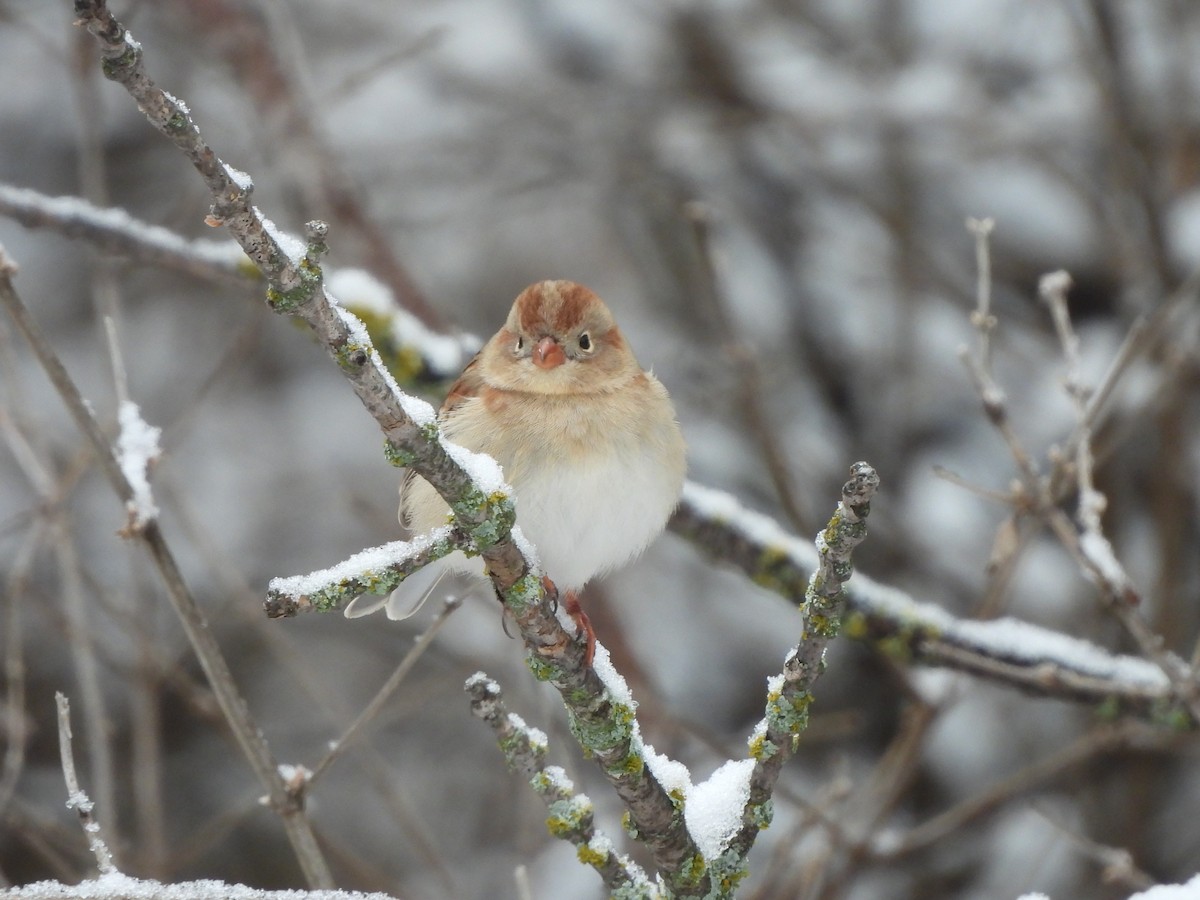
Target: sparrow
x,y
587,439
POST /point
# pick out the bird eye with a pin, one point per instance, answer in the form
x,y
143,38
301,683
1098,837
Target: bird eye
x,y
585,342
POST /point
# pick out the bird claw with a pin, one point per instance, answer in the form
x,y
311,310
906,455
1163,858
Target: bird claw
x,y
583,625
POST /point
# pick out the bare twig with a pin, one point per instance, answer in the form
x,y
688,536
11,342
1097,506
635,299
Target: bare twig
x,y
1090,545
371,710
744,360
77,799
982,318
1102,740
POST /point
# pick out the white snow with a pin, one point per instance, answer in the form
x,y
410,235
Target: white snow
x,y
137,449
360,564
237,176
528,550
537,738
414,407
445,354
671,774
484,471
116,886
616,684
294,248
714,807
1188,891
1007,638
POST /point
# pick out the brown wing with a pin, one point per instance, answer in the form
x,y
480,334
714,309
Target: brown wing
x,y
465,387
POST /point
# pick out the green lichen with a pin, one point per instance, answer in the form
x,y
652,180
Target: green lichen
x,y
116,68
525,593
598,733
855,626
692,870
1109,709
788,714
495,513
567,817
726,872
761,748
629,826
1169,713
400,457
542,668
590,856
762,814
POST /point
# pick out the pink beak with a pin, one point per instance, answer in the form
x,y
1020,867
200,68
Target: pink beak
x,y
548,354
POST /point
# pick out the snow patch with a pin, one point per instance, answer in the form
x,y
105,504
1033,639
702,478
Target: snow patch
x,y
137,449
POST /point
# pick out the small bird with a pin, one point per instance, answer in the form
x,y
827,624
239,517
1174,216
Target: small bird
x,y
587,439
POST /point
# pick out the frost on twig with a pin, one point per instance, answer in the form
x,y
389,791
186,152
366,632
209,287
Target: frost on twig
x,y
570,813
77,798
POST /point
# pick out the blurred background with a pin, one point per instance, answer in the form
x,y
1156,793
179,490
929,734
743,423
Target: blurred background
x,y
461,150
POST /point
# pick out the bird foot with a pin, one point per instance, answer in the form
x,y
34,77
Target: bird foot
x,y
582,623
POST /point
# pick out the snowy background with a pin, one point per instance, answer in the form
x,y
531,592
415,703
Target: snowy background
x,y
838,148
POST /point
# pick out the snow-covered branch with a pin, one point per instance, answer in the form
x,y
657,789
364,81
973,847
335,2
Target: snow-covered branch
x,y
1010,651
116,231
482,509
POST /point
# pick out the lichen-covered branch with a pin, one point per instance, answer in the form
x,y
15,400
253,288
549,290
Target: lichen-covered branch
x,y
790,693
483,514
379,570
570,813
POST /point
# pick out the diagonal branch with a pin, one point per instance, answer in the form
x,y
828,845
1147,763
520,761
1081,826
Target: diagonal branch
x,y
571,814
482,510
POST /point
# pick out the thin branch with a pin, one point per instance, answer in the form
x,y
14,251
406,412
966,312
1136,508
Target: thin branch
x,y
77,799
570,812
777,736
1090,545
371,710
122,887
195,625
116,232
479,502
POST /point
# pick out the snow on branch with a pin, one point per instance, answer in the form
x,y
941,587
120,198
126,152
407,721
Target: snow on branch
x,y
484,520
116,886
1010,651
410,348
378,570
116,231
571,813
790,695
